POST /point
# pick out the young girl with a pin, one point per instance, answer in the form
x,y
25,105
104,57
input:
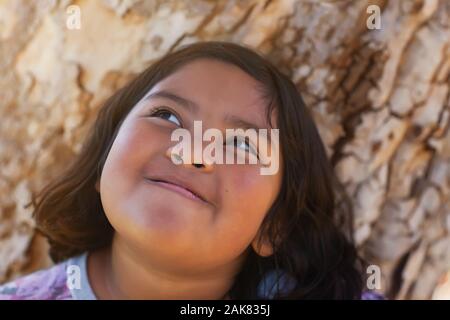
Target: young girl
x,y
125,222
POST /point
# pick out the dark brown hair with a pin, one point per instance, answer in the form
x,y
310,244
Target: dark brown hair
x,y
310,245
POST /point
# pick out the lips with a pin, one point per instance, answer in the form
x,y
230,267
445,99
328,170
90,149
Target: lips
x,y
178,185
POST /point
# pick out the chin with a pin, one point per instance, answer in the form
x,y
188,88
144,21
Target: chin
x,y
170,219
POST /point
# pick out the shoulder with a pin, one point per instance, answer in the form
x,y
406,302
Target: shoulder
x,y
48,284
372,295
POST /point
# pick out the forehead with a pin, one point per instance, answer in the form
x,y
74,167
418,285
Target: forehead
x,y
218,88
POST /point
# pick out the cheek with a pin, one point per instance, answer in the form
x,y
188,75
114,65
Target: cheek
x,y
247,197
138,142
134,146
248,185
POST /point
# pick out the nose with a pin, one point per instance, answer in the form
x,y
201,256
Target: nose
x,y
177,159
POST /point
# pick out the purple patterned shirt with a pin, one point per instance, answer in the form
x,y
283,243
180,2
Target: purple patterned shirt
x,y
53,284
49,284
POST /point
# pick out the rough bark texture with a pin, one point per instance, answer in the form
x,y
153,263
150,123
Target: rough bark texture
x,y
380,98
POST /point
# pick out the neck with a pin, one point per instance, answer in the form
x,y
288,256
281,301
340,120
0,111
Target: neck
x,y
121,272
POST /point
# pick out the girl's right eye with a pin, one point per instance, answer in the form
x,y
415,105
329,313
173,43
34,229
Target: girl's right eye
x,y
166,114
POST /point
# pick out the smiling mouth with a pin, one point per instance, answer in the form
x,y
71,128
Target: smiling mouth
x,y
177,188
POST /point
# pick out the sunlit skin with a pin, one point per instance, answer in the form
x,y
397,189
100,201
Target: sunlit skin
x,y
167,246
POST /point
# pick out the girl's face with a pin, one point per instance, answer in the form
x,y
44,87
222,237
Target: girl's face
x,y
165,224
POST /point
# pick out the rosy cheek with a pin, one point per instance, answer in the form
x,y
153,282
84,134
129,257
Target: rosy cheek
x,y
137,140
247,183
244,183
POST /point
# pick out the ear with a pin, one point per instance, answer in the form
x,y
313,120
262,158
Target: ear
x,y
97,186
262,246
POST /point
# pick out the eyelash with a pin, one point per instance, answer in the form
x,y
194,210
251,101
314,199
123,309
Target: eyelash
x,y
158,110
251,149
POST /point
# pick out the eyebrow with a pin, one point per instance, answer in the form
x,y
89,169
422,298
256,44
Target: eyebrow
x,y
240,123
193,107
188,104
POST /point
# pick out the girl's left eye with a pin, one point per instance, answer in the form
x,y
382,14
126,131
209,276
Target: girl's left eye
x,y
166,114
244,143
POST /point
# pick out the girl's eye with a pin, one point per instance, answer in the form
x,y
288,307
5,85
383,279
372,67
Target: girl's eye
x,y
166,114
245,144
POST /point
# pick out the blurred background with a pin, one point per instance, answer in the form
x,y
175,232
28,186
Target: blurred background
x,y
376,75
